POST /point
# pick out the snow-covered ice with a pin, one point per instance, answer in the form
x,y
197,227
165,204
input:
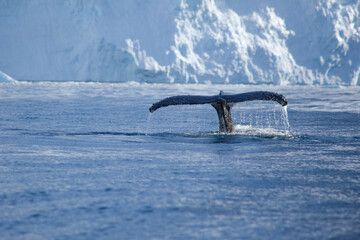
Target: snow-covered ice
x,y
208,41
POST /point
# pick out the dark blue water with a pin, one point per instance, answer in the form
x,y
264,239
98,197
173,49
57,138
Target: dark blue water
x,y
87,161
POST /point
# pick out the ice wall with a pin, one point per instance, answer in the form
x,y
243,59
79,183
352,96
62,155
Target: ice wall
x,y
202,41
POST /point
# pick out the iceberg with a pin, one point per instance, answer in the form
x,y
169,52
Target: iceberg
x,y
164,41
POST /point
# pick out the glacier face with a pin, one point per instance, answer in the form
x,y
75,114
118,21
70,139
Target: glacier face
x,y
203,41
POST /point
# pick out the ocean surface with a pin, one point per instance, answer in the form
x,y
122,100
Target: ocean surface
x,y
88,161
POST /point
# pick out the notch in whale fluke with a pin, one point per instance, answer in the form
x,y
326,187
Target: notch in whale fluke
x,y
222,103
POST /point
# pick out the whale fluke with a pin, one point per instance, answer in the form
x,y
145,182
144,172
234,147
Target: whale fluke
x,y
222,103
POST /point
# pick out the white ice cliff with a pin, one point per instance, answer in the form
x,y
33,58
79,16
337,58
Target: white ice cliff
x,y
208,41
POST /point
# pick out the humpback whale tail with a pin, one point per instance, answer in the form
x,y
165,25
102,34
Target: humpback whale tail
x,y
222,104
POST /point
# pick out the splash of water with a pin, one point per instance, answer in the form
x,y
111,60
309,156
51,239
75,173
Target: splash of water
x,y
285,118
264,117
247,130
148,124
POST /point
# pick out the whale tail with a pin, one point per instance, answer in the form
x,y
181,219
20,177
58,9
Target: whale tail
x,y
222,104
